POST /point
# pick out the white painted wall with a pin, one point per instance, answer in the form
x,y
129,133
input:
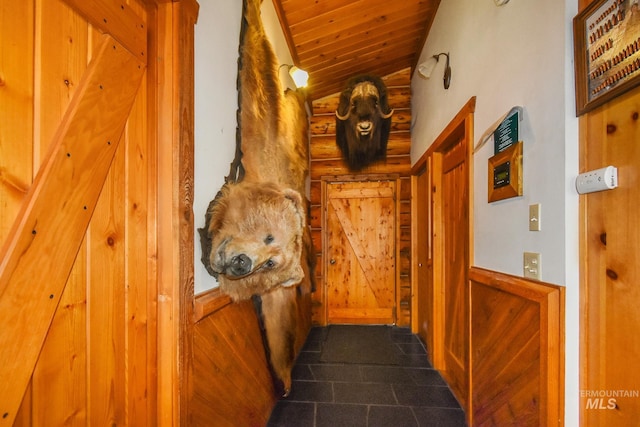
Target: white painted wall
x,y
517,54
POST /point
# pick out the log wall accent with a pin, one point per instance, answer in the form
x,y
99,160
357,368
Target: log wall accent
x,y
517,351
326,162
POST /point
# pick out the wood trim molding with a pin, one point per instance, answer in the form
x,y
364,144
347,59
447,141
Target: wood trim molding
x,y
208,303
461,117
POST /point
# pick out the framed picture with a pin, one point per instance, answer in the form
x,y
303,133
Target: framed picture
x,y
606,38
505,174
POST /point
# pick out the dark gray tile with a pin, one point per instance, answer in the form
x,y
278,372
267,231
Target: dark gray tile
x,y
311,391
351,394
425,376
301,372
308,357
380,394
339,415
287,414
315,346
411,348
388,416
419,395
415,360
342,373
385,374
317,333
402,335
441,417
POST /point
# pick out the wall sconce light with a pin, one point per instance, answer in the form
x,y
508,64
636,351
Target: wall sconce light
x,y
299,76
426,68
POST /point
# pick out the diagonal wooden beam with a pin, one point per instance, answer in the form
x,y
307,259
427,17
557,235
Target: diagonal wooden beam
x,y
43,243
358,245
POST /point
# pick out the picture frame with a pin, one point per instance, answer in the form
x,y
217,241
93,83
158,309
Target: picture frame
x,y
505,174
607,52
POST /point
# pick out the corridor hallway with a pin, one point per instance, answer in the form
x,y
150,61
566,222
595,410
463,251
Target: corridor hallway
x,y
367,376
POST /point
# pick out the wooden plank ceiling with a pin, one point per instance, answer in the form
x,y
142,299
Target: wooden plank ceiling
x,y
336,39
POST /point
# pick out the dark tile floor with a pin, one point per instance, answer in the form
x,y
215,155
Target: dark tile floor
x,y
409,393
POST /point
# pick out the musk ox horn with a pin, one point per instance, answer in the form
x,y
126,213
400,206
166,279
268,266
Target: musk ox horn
x,y
385,116
346,116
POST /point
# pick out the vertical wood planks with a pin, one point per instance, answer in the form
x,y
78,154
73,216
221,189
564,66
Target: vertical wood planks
x,y
61,58
58,208
16,110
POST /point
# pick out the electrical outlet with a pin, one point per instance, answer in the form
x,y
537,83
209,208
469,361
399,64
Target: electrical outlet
x,y
534,217
531,265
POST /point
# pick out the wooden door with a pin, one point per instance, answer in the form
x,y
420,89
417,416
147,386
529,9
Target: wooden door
x,y
442,242
610,271
360,236
423,298
455,245
84,149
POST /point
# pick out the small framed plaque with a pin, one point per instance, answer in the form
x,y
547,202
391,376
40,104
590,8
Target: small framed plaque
x,y
505,173
507,133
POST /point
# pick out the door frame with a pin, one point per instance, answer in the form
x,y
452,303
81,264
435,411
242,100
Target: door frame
x,y
335,179
461,126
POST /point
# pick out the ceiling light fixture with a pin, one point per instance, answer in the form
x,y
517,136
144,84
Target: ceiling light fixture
x,y
426,68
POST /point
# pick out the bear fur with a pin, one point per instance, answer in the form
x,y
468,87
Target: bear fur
x,y
256,239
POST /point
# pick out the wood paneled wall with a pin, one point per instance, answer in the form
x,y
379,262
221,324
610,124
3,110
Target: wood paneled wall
x,y
326,162
517,351
90,248
231,382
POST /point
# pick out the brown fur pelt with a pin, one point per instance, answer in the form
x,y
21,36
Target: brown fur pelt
x,y
256,239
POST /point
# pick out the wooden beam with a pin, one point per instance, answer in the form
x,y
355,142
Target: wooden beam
x,y
43,243
118,19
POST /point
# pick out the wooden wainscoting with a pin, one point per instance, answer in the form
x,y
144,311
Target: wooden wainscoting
x,y
231,384
517,351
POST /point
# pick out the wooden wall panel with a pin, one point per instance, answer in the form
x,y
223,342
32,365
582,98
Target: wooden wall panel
x,y
74,88
16,109
231,383
517,330
610,272
326,163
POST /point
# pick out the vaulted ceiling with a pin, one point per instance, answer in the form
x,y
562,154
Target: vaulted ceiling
x,y
335,39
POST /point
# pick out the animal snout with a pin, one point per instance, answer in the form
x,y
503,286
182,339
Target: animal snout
x,y
365,127
239,265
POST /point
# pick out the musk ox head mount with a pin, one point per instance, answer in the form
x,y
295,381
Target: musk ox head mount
x,y
363,121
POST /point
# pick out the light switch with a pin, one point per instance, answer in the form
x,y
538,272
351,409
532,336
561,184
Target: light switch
x,y
531,264
534,217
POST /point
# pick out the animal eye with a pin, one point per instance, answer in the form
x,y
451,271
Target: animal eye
x,y
269,239
270,263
